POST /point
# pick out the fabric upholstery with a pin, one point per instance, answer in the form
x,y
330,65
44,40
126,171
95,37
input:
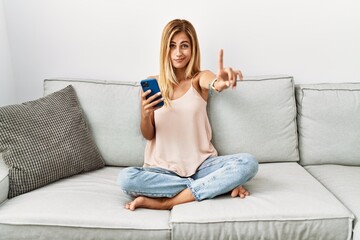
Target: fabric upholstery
x,y
343,182
4,180
329,123
262,110
285,202
85,206
259,117
112,110
356,232
45,140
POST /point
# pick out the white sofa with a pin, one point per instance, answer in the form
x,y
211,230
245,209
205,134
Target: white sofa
x,y
306,138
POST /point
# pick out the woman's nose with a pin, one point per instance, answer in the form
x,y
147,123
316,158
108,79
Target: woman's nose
x,y
178,51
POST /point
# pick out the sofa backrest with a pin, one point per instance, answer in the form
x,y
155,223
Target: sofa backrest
x,y
112,110
259,117
329,123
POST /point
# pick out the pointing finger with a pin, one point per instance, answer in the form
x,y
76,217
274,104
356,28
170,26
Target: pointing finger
x,y
221,63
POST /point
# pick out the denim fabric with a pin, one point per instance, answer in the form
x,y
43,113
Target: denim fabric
x,y
215,176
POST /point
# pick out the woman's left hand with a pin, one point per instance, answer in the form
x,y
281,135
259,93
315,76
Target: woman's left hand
x,y
226,77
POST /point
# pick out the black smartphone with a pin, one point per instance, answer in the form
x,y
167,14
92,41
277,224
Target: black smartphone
x,y
153,85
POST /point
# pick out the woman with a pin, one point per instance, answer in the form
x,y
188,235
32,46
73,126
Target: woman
x,y
181,164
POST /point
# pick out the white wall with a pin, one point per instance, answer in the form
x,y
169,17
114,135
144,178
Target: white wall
x,y
314,41
7,89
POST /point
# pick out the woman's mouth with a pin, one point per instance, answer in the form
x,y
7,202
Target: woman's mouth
x,y
179,59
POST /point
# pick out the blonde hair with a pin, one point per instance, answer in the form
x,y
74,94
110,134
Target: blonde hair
x,y
167,78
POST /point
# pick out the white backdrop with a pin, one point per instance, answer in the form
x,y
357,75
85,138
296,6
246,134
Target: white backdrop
x,y
312,40
7,86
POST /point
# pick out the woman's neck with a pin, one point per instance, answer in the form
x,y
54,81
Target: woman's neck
x,y
180,75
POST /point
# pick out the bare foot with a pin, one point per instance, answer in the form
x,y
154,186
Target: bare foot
x,y
239,191
151,203
161,203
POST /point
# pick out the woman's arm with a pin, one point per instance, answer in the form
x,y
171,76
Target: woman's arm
x,y
206,78
147,124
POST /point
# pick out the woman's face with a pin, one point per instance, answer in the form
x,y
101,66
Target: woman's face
x,y
180,50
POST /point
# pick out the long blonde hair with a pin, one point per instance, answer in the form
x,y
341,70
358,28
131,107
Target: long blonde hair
x,y
167,78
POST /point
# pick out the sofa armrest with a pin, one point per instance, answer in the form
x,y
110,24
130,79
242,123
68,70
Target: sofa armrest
x,y
4,181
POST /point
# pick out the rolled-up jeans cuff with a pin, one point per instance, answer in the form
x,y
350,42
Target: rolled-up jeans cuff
x,y
192,189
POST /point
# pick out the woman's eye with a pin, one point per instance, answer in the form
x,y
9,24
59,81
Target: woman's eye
x,y
172,46
184,46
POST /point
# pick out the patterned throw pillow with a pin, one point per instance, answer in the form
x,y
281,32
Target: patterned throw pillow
x,y
45,140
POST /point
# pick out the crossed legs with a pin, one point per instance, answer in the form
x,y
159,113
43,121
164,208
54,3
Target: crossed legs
x,y
161,189
168,203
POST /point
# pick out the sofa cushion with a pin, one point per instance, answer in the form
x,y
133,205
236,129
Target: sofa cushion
x,y
116,127
329,123
4,180
259,117
45,140
356,232
285,202
343,182
85,206
263,123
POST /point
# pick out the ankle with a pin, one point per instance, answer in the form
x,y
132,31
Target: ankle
x,y
167,203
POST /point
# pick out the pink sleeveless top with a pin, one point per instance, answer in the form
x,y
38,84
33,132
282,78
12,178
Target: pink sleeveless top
x,y
182,136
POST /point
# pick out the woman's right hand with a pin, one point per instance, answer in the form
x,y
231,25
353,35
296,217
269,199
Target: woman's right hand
x,y
148,105
147,125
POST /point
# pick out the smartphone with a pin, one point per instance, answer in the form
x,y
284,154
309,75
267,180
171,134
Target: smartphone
x,y
153,85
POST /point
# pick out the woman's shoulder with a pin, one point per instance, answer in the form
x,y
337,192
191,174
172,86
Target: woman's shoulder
x,y
206,72
204,76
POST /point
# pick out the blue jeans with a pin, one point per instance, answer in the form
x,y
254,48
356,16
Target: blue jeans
x,y
215,176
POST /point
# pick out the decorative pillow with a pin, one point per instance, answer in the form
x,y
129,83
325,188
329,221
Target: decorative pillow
x,y
45,140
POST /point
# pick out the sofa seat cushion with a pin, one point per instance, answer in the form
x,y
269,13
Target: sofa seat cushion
x,y
286,202
85,206
343,182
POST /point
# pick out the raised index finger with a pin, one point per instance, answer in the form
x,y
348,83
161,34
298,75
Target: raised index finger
x,y
221,63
